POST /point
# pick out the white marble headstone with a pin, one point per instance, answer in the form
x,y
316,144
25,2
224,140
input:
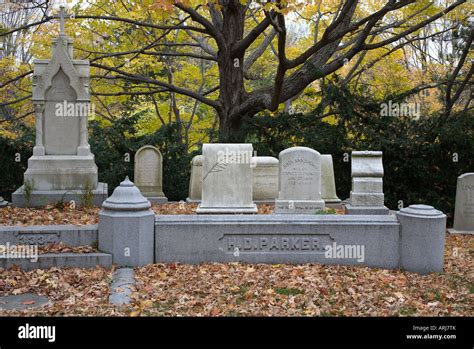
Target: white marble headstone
x,y
195,181
265,179
227,179
149,173
464,209
299,181
328,183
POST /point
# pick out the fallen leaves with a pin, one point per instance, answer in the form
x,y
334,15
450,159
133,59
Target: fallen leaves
x,y
235,289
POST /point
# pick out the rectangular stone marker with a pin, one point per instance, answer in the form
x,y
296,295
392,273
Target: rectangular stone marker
x,y
299,182
62,166
195,181
367,184
149,173
227,179
328,183
265,179
464,209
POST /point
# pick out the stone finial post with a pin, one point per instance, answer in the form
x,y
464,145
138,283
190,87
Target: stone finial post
x,y
422,239
127,226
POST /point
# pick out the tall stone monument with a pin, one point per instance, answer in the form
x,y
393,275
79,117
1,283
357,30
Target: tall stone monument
x,y
227,179
367,195
149,174
299,182
62,167
464,209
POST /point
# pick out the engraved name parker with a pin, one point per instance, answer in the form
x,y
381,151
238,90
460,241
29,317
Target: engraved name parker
x,y
273,243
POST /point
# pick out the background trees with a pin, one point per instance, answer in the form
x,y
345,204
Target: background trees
x,y
214,70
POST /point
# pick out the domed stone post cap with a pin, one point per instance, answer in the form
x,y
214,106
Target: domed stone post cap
x,y
126,197
420,210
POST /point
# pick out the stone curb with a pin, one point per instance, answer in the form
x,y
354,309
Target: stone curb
x,y
123,281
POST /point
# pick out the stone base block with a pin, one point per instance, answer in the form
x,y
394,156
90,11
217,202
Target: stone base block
x,y
367,199
39,198
366,210
196,201
157,199
454,231
298,206
61,172
226,210
60,260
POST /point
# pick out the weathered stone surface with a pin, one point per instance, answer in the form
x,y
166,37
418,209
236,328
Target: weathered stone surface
x,y
22,301
265,179
227,179
61,161
126,226
60,260
121,289
3,202
71,235
276,239
299,181
464,208
422,239
40,198
149,173
328,182
367,195
195,181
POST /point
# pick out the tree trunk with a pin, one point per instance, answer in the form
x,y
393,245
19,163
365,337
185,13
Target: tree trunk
x,y
231,72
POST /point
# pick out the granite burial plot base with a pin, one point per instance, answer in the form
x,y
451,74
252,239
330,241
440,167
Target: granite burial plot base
x,y
412,239
276,239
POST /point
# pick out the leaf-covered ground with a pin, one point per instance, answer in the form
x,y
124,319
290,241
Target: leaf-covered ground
x,y
82,216
252,290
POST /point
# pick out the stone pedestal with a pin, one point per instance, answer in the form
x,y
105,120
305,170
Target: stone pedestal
x,y
464,207
126,227
422,239
227,179
367,195
299,182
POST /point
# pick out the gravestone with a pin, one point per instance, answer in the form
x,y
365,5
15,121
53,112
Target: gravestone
x,y
227,179
149,174
195,181
367,184
464,208
265,179
328,183
62,166
3,202
299,181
